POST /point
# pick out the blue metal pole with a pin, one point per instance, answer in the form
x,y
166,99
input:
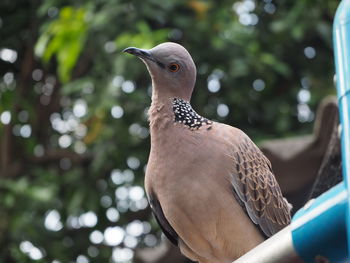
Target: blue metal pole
x,y
317,234
319,228
341,39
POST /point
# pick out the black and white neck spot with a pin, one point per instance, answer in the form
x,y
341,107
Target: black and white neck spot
x,y
184,114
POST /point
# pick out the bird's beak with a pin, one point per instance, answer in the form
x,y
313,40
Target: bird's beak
x,y
141,53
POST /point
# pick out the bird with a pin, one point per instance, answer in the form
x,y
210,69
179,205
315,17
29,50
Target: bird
x,y
210,188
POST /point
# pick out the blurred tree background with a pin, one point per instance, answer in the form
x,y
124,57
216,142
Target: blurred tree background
x,y
73,127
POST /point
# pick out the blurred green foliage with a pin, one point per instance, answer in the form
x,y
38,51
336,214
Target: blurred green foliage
x,y
64,37
73,129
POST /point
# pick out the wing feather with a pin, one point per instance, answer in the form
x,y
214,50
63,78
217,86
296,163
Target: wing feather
x,y
256,186
164,224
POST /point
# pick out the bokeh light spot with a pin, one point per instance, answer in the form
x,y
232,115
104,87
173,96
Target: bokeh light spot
x,y
96,237
106,201
304,96
5,117
113,236
310,52
82,259
135,228
122,254
222,110
128,86
80,108
8,55
259,85
150,240
136,193
117,112
130,241
37,74
133,162
112,214
88,219
122,193
25,131
65,141
53,221
93,251
213,85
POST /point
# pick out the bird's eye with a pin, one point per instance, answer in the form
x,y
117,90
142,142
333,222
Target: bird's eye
x,y
173,67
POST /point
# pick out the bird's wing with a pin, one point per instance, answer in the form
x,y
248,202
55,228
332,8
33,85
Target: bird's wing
x,y
162,221
256,186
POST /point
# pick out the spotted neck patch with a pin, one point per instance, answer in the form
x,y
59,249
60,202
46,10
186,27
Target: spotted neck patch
x,y
186,115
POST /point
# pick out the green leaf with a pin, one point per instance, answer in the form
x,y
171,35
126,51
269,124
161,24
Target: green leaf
x,y
64,38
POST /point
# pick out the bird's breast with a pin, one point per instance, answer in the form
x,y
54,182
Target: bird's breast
x,y
184,156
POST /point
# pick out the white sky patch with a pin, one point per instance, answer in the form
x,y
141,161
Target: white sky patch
x,y
113,236
53,221
8,55
214,85
128,175
122,193
96,237
133,162
73,222
33,252
79,147
304,96
136,193
128,86
139,204
222,110
82,259
304,113
80,108
9,78
5,117
135,228
244,11
117,81
88,219
122,255
112,214
25,131
117,112
65,141
130,241
117,176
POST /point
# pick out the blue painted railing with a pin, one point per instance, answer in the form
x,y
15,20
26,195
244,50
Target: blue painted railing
x,y
320,232
341,40
319,229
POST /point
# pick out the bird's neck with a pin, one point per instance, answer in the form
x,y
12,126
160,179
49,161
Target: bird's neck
x,y
166,111
160,114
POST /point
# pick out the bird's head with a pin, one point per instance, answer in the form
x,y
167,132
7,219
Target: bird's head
x,y
171,67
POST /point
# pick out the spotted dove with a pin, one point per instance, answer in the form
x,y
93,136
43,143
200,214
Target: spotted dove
x,y
210,188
